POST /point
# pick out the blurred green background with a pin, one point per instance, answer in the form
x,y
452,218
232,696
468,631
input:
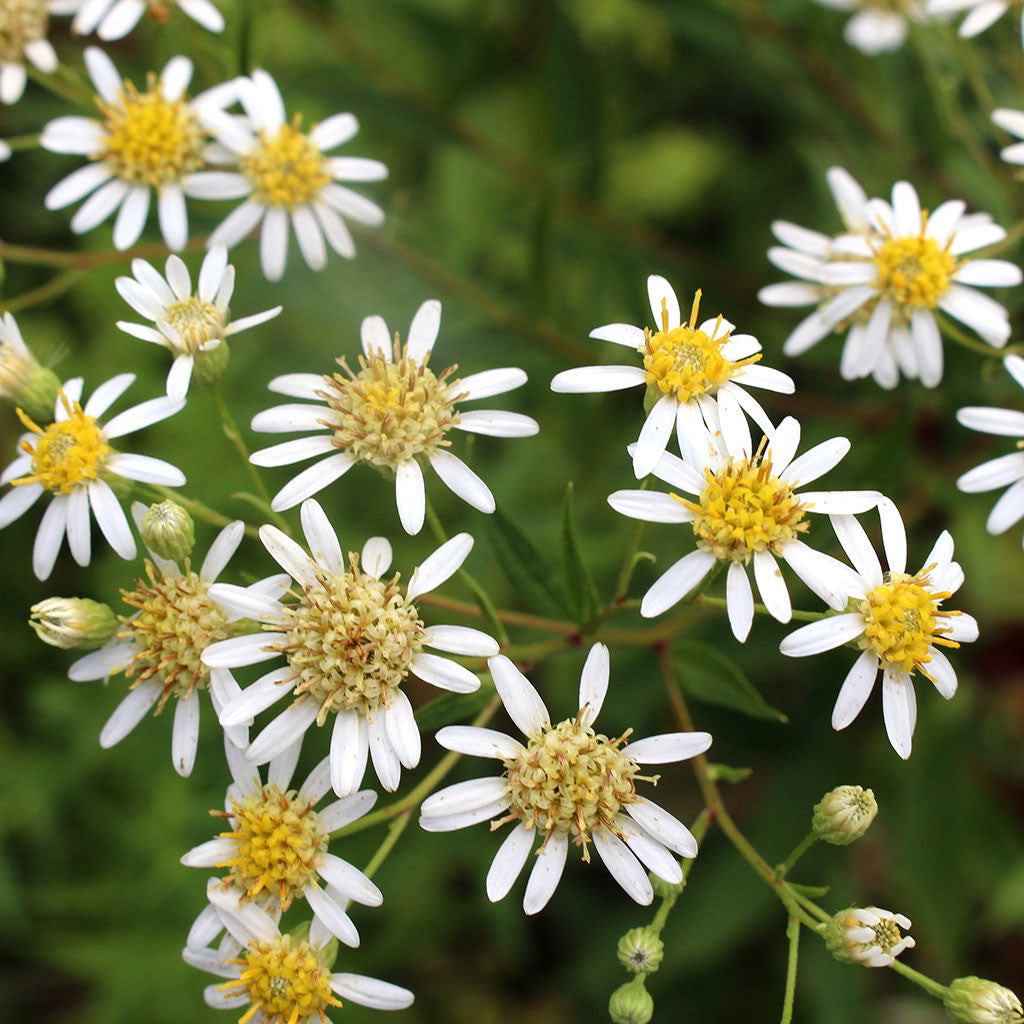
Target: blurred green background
x,y
545,157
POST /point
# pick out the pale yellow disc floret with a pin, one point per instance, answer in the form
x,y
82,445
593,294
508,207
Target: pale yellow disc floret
x,y
149,139
21,22
197,322
285,980
279,841
903,619
350,641
745,508
286,169
914,271
687,362
391,411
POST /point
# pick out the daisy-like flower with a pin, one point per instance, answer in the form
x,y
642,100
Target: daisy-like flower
x,y
867,935
689,369
23,28
114,19
158,647
349,639
394,412
1011,121
146,141
1006,469
877,26
191,324
286,176
885,283
567,783
898,622
275,847
282,979
980,13
746,511
72,460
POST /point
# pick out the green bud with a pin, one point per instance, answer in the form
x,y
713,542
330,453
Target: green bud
x,y
651,397
977,1001
666,890
38,392
631,1003
844,814
168,531
640,951
73,622
210,365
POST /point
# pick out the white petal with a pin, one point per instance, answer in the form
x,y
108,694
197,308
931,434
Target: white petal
x,y
521,700
1007,510
185,734
258,696
464,796
496,423
546,872
899,707
858,549
461,480
489,383
129,713
333,917
663,300
668,747
824,635
623,865
739,601
410,496
478,742
655,435
312,480
282,732
375,558
462,640
442,672
349,750
815,462
668,830
341,812
508,862
321,538
423,330
274,243
440,565
588,379
593,683
378,995
676,582
289,556
856,689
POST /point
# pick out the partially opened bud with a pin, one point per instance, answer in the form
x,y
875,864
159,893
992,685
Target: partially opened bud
x,y
23,381
977,1001
73,622
640,951
867,935
844,814
168,531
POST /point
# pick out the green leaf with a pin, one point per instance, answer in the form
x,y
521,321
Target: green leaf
x,y
708,675
452,707
583,594
532,575
726,773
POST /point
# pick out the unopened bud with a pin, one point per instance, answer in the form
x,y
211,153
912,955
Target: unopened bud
x,y
210,363
977,1001
867,935
73,622
168,531
23,382
640,951
844,814
631,1003
666,890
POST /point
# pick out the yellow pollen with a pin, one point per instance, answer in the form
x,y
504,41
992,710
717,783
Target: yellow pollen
x,y
197,323
66,454
21,22
914,271
685,361
286,170
902,620
279,843
745,508
285,980
150,140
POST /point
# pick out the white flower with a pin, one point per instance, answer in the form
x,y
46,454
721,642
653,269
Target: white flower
x,y
980,13
689,368
349,639
1011,121
747,510
567,783
5,151
878,26
147,141
189,324
72,459
23,28
159,646
885,281
1006,469
394,412
285,175
275,847
897,622
280,978
114,19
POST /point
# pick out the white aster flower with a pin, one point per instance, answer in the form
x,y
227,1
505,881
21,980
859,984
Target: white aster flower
x,y
868,935
275,847
691,369
980,13
23,28
878,26
1006,469
285,176
158,647
746,510
568,783
72,460
189,324
146,141
897,622
1011,121
114,19
886,281
281,979
350,638
392,414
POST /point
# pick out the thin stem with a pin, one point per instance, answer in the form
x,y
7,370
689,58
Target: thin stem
x,y
64,86
157,492
35,256
395,829
809,905
798,615
510,617
965,340
793,931
801,848
16,142
699,829
930,986
53,289
629,563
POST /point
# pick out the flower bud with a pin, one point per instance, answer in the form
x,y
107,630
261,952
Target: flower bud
x,y
844,814
168,531
73,622
666,890
640,951
631,1003
210,363
977,1001
867,935
23,382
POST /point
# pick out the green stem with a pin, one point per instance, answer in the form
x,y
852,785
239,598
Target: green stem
x,y
793,932
799,616
157,492
699,829
629,563
34,256
75,91
965,340
395,829
930,986
17,142
801,848
809,905
53,289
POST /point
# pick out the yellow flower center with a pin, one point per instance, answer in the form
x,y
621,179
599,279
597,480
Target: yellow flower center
x,y
21,22
744,509
350,641
914,271
685,361
902,620
148,139
66,454
391,412
285,980
569,780
197,323
280,842
286,170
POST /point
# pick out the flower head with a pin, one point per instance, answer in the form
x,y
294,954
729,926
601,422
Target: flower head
x,y
844,814
877,26
868,936
23,28
974,1000
980,13
114,19
69,622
